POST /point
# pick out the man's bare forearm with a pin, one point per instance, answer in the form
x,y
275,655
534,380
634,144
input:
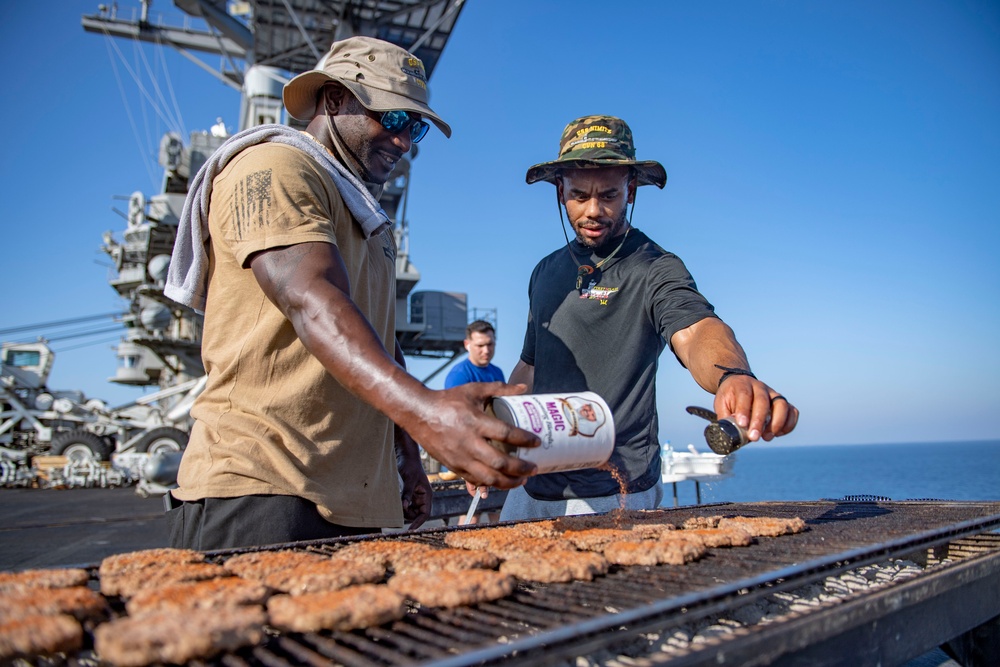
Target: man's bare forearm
x,y
308,283
706,345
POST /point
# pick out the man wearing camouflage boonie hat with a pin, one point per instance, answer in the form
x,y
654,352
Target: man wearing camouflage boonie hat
x,y
601,310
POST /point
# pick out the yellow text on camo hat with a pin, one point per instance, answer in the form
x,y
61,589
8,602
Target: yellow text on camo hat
x,y
383,76
598,141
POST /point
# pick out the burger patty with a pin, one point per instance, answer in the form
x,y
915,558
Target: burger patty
x,y
651,528
259,564
382,552
756,526
594,539
353,607
79,602
130,582
575,522
55,578
696,522
654,552
503,544
168,636
733,536
482,538
139,560
765,526
31,636
328,575
447,559
210,594
556,565
453,589
544,528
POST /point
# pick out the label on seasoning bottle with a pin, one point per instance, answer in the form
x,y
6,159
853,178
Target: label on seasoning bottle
x,y
576,430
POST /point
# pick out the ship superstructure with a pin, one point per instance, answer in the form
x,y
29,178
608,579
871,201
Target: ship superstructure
x,y
261,45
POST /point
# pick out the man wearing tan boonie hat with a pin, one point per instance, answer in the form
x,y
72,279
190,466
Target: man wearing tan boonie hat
x,y
308,405
381,76
601,310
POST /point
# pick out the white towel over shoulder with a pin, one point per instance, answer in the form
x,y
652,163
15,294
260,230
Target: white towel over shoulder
x,y
187,278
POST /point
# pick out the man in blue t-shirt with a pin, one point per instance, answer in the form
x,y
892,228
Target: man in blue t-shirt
x,y
481,344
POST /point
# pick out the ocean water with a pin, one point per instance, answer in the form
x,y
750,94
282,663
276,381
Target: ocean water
x,y
938,470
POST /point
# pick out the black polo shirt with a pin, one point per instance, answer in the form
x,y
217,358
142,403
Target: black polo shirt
x,y
607,337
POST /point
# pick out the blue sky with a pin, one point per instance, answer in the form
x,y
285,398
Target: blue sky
x,y
833,171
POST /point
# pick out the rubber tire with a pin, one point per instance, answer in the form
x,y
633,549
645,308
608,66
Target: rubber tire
x,y
162,439
72,443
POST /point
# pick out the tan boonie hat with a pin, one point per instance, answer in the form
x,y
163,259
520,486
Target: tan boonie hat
x,y
598,141
383,77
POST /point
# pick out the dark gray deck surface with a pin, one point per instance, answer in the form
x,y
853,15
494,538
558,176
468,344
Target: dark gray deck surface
x,y
49,527
56,528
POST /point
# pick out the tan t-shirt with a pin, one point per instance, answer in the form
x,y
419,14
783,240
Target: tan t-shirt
x,y
271,419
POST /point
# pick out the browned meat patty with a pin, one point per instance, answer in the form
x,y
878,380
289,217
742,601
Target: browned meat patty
x,y
557,565
55,578
757,526
447,559
354,607
453,589
383,552
701,522
128,583
503,544
210,594
565,524
652,530
479,538
79,602
483,538
259,564
168,636
545,528
594,539
33,636
733,536
138,560
765,526
668,551
329,575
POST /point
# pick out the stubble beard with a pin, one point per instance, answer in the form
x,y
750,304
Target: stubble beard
x,y
617,228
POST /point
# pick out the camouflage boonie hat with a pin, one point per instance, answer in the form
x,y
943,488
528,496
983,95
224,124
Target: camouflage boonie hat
x,y
598,141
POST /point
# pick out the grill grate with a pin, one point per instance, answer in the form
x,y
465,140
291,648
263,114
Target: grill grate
x,y
556,621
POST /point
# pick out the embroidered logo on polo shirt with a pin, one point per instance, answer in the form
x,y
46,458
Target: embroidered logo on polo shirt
x,y
598,293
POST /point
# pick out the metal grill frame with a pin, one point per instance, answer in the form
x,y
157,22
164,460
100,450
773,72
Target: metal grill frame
x,y
554,623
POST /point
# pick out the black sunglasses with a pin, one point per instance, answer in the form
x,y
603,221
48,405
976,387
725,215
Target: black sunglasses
x,y
398,120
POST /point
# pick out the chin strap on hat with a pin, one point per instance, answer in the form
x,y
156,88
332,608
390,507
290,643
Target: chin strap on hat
x,y
348,157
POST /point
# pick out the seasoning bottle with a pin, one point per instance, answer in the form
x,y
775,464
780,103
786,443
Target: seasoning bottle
x,y
576,430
